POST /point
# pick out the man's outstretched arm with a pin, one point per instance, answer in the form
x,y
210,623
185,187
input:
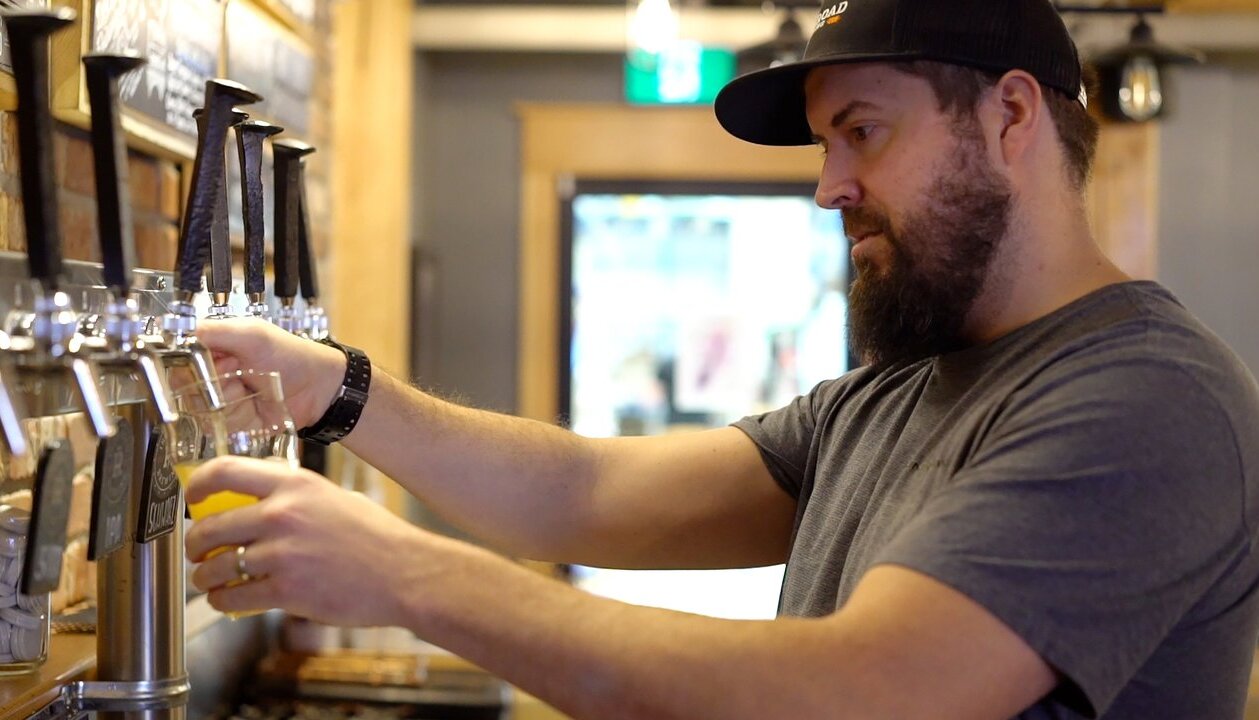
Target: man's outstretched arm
x,y
536,490
904,646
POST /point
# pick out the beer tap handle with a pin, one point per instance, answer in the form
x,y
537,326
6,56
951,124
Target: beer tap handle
x,y
250,137
28,34
315,322
113,207
288,159
305,258
220,283
109,153
208,170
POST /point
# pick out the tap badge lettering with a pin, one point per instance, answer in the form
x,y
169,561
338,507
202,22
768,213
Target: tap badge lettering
x,y
831,15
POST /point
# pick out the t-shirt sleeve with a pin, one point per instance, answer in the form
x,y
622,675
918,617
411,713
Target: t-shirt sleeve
x,y
1100,508
785,435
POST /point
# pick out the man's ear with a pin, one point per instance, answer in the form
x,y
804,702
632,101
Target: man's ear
x,y
1015,111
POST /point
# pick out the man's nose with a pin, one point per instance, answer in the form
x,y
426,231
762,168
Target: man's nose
x,y
837,186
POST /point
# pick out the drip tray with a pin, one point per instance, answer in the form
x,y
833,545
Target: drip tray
x,y
312,709
239,672
381,684
440,696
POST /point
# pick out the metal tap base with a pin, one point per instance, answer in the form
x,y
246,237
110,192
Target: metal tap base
x,y
80,698
141,667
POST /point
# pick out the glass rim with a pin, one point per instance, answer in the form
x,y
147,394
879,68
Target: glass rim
x,y
265,375
252,397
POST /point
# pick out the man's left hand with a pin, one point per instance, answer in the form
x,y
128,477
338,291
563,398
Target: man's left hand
x,y
311,548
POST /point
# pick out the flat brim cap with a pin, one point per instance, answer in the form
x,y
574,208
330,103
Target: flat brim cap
x,y
767,107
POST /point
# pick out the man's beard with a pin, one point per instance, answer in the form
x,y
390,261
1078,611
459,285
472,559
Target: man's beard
x,y
916,305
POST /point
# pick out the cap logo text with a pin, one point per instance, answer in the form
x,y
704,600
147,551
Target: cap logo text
x,y
831,15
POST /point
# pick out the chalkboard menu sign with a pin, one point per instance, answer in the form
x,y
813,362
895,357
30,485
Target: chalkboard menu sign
x,y
272,62
111,491
54,480
180,39
5,65
160,503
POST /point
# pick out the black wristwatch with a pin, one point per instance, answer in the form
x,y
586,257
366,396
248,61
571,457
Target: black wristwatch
x,y
343,414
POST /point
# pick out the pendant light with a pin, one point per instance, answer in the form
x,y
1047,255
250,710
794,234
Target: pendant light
x,y
1132,78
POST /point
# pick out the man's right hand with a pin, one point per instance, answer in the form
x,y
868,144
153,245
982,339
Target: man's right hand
x,y
311,372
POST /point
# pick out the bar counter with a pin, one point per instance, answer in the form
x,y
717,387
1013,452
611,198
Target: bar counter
x,y
70,657
223,657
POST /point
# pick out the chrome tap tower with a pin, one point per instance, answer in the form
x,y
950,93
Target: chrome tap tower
x,y
105,360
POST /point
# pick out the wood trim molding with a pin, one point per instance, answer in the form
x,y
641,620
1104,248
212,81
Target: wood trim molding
x,y
1123,198
367,291
562,142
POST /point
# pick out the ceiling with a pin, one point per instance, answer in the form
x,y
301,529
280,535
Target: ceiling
x,y
811,4
600,25
1173,6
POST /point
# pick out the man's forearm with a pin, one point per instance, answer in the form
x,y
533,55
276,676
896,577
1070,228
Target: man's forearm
x,y
510,481
595,658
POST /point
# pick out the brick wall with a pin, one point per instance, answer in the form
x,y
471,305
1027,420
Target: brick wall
x,y
156,198
157,183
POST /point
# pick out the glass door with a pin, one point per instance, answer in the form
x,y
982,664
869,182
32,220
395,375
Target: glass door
x,y
688,306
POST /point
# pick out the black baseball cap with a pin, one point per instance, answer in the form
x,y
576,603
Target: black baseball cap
x,y
767,106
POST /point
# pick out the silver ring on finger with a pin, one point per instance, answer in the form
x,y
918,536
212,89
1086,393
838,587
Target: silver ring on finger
x,y
242,574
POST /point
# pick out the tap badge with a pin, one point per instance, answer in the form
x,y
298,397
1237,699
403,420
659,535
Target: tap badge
x,y
831,15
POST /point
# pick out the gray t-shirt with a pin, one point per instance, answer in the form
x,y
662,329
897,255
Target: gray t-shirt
x,y
1092,479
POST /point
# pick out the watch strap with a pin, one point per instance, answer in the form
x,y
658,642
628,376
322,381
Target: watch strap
x,y
346,408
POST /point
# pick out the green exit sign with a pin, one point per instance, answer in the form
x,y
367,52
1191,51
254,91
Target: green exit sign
x,y
685,72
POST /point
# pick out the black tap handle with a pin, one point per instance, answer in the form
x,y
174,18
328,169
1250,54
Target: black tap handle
x,y
29,31
305,261
109,154
305,258
208,177
250,137
288,199
220,231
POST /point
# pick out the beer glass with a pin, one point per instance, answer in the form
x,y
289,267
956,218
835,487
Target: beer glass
x,y
252,421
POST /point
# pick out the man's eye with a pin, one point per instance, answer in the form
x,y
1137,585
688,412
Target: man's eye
x,y
861,133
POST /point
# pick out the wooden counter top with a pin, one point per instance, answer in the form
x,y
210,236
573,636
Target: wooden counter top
x,y
71,657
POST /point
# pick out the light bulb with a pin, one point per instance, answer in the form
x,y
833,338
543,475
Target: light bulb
x,y
1140,89
654,26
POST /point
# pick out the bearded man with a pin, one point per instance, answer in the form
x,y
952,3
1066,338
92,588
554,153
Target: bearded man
x,y
1038,498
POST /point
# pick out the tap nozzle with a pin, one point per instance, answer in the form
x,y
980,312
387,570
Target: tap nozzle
x,y
127,349
84,373
181,347
47,342
12,410
194,356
